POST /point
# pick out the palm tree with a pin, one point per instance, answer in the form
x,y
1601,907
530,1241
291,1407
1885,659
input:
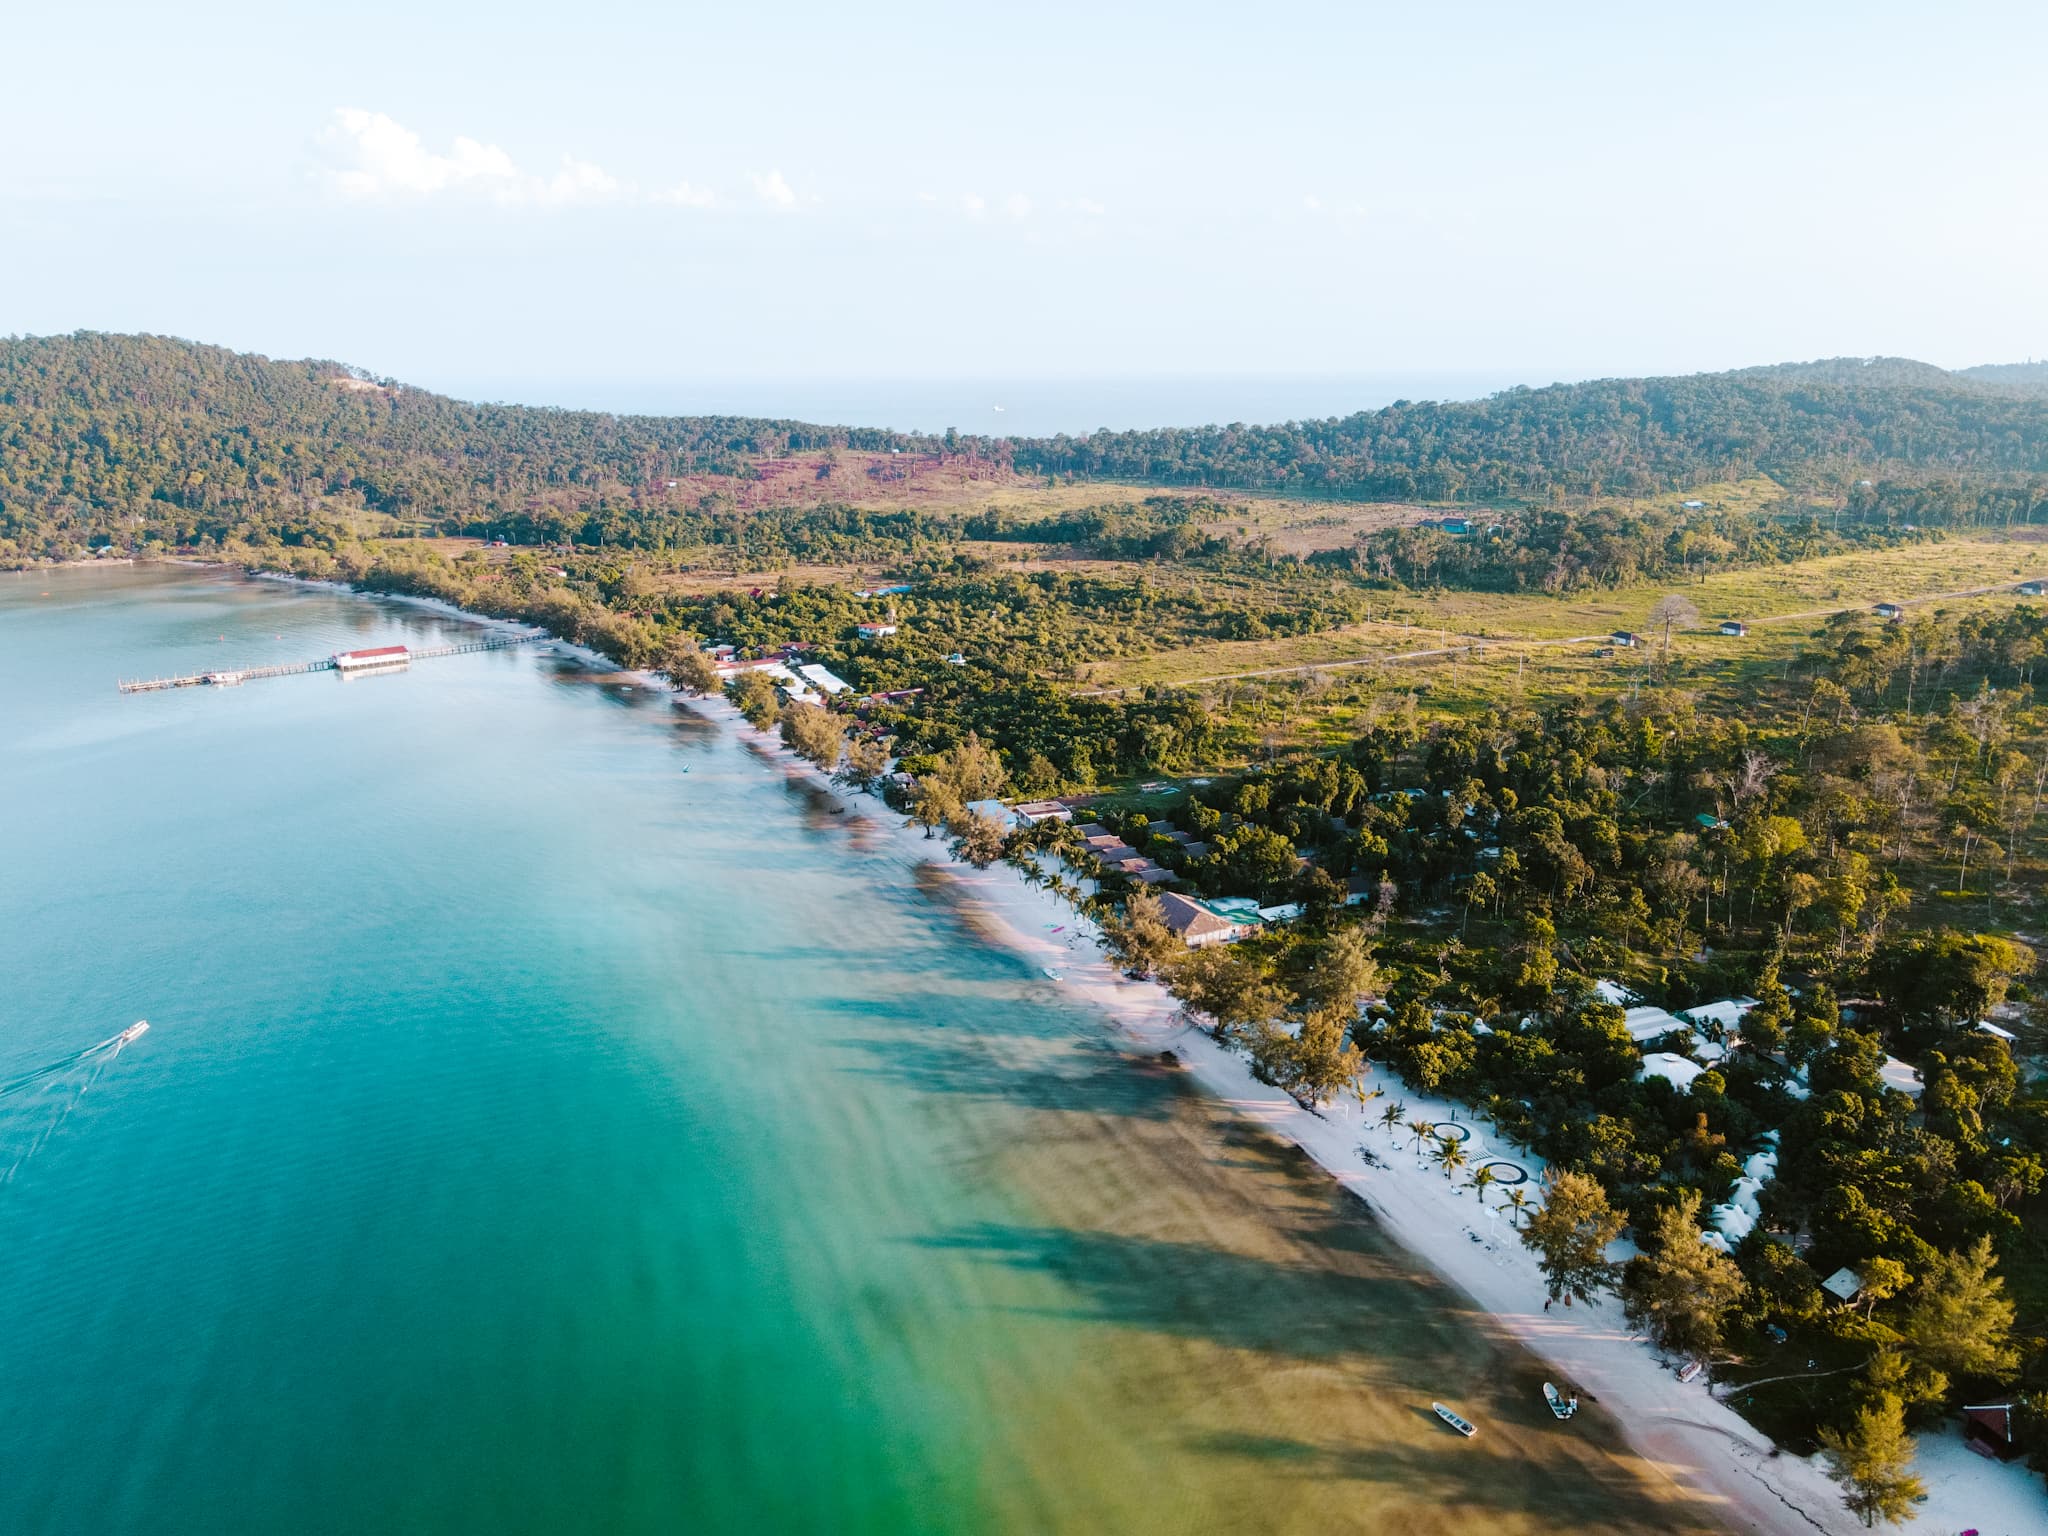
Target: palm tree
x,y
1450,1156
1516,1202
1482,1177
1391,1117
1421,1128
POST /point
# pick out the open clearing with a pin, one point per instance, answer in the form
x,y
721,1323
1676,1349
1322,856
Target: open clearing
x,y
1982,567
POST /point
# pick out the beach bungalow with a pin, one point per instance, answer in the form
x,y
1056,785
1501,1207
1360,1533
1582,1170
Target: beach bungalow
x,y
1035,811
1614,992
1987,1430
998,813
1986,1027
1845,1285
1734,627
1152,874
1890,611
876,631
1196,925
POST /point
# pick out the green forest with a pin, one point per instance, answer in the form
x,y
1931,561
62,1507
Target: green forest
x,y
1837,818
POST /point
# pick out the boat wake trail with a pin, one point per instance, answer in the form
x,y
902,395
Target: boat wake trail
x,y
42,1100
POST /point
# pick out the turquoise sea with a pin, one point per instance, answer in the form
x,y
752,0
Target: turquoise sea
x,y
552,1120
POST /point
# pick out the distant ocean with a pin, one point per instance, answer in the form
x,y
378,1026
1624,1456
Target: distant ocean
x,y
1029,407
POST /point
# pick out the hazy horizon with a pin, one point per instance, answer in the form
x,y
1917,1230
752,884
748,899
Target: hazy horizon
x,y
472,196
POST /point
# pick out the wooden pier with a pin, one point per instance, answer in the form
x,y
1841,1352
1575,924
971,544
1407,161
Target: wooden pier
x,y
221,677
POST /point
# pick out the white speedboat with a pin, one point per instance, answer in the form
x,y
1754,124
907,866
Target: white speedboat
x,y
1463,1426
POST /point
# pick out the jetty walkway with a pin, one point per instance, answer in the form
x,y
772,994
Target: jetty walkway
x,y
384,658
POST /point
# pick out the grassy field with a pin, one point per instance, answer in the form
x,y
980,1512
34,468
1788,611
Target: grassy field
x,y
1768,598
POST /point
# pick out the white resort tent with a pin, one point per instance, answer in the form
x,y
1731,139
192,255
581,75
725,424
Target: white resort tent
x,y
1724,1015
1645,1024
1678,1071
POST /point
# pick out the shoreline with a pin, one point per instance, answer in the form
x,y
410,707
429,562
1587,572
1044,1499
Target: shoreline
x,y
1701,1447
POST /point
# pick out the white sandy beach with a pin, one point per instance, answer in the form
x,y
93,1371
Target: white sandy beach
x,y
1682,1430
1689,1437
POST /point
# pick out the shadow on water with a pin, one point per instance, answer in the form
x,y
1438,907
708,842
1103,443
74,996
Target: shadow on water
x,y
1088,1079
1307,1310
1381,1339
1454,1473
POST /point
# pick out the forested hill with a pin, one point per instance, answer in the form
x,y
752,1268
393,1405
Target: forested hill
x,y
1813,426
126,437
127,424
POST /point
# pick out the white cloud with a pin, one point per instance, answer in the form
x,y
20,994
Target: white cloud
x,y
974,202
1090,206
1017,206
1312,204
685,195
773,189
374,159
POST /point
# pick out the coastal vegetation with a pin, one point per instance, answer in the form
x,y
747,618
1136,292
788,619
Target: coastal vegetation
x,y
1400,735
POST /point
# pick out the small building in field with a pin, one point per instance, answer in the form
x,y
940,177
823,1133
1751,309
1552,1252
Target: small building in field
x,y
2031,588
1734,627
1627,639
1890,611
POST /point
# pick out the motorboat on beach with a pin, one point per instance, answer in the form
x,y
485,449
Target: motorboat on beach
x,y
1561,1405
1463,1426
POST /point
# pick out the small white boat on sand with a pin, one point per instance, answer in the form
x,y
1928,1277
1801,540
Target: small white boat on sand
x,y
1561,1406
1463,1426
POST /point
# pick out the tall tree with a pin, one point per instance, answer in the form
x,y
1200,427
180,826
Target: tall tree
x,y
1570,1233
1871,1457
689,669
1960,1320
813,733
1674,610
1678,1288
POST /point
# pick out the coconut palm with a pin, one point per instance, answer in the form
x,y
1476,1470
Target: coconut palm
x,y
1420,1128
1483,1178
1450,1156
1517,1201
1391,1117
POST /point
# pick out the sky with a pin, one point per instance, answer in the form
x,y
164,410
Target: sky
x,y
640,205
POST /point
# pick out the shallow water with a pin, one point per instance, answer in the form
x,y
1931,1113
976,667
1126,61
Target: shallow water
x,y
553,1121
